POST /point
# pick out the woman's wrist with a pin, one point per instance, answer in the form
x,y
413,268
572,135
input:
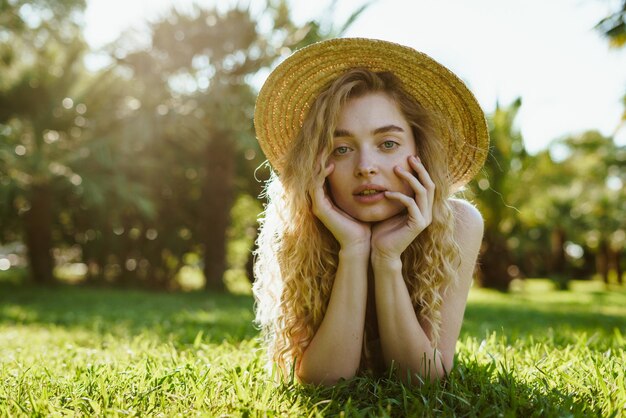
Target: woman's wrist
x,y
387,262
355,250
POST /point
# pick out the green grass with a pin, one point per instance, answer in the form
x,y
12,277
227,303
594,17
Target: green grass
x,y
85,351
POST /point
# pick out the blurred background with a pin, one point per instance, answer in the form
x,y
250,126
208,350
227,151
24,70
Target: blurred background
x,y
128,156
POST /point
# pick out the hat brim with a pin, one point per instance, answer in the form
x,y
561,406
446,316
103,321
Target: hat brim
x,y
290,90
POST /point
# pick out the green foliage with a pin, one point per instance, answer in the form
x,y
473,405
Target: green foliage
x,y
138,164
497,191
42,70
194,109
532,353
242,232
579,201
558,213
134,166
60,136
613,27
131,168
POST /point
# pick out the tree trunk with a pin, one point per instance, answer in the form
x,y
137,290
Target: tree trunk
x,y
557,258
494,262
618,267
614,263
217,199
557,243
602,261
38,234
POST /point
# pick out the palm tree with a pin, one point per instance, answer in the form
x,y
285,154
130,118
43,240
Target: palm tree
x,y
38,116
207,58
57,130
496,191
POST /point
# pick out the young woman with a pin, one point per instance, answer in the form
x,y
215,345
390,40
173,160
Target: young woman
x,y
364,260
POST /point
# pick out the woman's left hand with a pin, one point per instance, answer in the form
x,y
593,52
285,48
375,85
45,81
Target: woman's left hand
x,y
392,236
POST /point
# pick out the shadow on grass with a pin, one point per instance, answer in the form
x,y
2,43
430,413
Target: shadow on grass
x,y
558,322
515,321
178,317
221,316
472,389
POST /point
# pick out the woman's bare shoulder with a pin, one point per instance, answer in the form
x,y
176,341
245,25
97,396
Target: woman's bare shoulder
x,y
469,224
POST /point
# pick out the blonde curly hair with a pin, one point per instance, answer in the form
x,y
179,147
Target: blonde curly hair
x,y
297,256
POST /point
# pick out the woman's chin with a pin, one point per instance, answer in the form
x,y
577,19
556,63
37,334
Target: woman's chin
x,y
374,215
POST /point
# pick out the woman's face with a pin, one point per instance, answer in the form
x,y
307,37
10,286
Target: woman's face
x,y
371,138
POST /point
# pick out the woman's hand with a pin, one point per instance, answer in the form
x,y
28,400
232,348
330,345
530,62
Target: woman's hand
x,y
348,231
392,236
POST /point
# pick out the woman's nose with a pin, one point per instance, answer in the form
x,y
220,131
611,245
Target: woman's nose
x,y
366,166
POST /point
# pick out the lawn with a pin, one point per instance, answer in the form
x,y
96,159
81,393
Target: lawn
x,y
76,351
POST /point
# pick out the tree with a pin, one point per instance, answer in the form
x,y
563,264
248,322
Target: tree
x,y
613,27
206,59
34,116
58,128
598,209
496,190
577,202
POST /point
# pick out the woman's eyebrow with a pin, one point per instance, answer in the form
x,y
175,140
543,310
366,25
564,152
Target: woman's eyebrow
x,y
342,133
339,133
387,128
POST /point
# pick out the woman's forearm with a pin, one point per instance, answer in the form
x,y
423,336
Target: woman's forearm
x,y
404,341
335,350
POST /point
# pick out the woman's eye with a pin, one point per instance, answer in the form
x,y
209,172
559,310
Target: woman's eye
x,y
341,150
389,145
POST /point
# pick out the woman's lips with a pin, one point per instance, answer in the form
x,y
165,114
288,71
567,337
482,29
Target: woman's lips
x,y
370,198
369,193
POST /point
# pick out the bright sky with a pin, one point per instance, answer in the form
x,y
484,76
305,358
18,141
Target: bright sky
x,y
544,51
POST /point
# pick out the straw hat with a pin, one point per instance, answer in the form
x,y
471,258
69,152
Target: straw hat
x,y
291,89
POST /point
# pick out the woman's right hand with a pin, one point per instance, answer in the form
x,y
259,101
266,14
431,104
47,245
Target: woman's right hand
x,y
348,231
